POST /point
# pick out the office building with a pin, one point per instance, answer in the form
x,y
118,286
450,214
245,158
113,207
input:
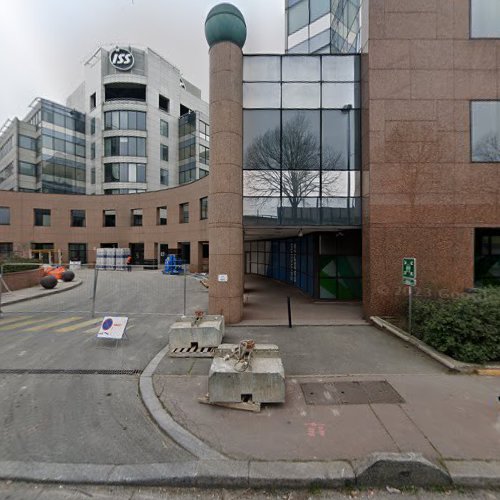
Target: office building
x,y
133,125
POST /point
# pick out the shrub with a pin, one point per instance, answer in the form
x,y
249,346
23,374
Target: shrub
x,y
14,264
466,328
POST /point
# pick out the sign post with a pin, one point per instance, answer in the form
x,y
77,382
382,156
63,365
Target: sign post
x,y
409,279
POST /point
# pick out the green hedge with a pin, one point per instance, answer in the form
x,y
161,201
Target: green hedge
x,y
466,328
14,264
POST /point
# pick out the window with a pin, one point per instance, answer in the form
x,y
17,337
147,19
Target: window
x,y
485,131
124,172
4,216
6,249
204,154
6,147
124,146
77,218
204,208
164,152
42,217
26,168
161,216
27,142
205,252
298,16
163,177
163,128
93,101
125,120
485,17
92,126
163,103
184,213
109,218
202,173
92,151
136,216
187,173
204,130
92,175
78,252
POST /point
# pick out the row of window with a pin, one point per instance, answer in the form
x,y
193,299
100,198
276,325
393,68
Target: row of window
x,y
42,216
78,251
124,172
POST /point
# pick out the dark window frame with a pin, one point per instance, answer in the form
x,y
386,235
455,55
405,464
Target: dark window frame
x,y
106,218
73,214
184,213
471,152
39,215
204,208
7,211
470,28
161,221
136,219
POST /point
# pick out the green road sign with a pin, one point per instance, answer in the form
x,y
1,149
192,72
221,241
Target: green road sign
x,y
409,271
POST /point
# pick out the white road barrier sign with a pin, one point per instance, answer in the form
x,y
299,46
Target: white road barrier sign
x,y
112,327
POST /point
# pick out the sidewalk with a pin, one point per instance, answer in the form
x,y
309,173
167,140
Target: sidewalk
x,y
453,421
36,292
265,303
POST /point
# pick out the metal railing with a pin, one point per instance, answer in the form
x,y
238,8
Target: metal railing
x,y
128,291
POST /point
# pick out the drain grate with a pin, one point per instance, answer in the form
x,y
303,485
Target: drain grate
x,y
351,393
36,371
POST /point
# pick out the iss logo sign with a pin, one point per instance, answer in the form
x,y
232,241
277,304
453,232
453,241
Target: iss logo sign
x,y
121,59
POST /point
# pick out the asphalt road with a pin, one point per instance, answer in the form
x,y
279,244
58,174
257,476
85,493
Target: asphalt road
x,y
20,491
66,413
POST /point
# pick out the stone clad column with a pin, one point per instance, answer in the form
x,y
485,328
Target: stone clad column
x,y
225,31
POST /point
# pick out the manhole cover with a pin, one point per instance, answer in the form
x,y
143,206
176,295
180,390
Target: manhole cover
x,y
351,393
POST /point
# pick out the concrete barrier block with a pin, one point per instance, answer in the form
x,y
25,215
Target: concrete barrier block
x,y
263,381
205,332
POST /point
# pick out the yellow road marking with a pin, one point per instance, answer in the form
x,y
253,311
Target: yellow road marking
x,y
20,324
12,320
492,372
45,326
72,328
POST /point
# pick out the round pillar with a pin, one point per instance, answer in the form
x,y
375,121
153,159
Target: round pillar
x,y
225,31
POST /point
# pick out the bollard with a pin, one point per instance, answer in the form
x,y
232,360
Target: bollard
x,y
96,273
185,292
289,312
1,286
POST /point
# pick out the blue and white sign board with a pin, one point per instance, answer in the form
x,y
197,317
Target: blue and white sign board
x,y
112,327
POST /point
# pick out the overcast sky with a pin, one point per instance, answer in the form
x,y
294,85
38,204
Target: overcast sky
x,y
44,43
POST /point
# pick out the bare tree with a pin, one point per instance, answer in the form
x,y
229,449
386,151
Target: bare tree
x,y
488,149
297,151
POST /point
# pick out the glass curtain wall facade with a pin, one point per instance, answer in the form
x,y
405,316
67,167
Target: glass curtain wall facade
x,y
61,149
323,26
302,161
194,150
301,141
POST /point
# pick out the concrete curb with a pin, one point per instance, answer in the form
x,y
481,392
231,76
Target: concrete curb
x,y
380,469
400,469
48,294
474,473
450,363
163,419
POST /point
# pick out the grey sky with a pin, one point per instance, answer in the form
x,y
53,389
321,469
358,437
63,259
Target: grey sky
x,y
45,42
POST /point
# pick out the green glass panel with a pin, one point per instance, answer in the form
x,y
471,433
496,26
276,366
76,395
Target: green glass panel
x,y
349,289
328,289
349,267
328,267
